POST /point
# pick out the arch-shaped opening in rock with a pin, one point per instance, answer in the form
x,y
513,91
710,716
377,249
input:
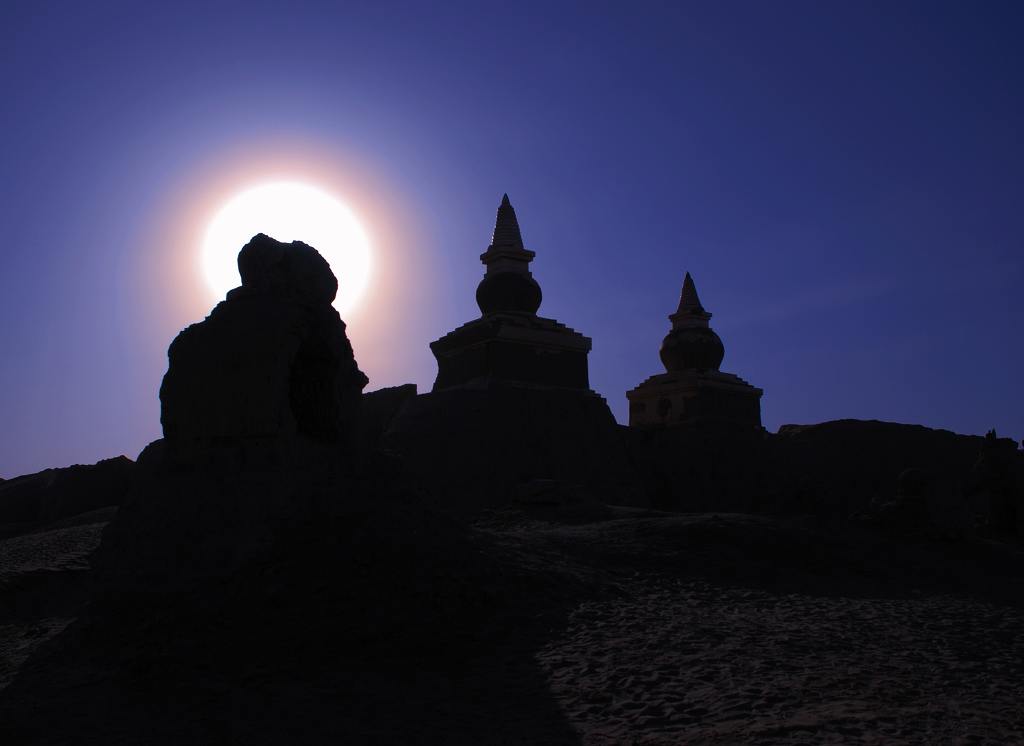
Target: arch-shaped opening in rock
x,y
313,389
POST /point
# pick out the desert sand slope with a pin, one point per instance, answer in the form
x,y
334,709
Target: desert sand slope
x,y
742,629
689,662
43,582
386,624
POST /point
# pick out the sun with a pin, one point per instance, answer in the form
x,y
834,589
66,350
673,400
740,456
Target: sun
x,y
288,211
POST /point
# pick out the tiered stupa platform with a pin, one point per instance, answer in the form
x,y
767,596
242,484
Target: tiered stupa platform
x,y
513,348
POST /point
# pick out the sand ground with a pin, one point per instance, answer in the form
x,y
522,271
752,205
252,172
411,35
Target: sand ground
x,y
696,629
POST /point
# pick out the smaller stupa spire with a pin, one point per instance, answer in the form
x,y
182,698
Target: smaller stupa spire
x,y
506,227
688,299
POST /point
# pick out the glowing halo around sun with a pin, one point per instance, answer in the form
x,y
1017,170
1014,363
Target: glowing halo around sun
x,y
288,211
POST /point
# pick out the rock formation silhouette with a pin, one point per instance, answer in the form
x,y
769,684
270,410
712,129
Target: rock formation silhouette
x,y
270,362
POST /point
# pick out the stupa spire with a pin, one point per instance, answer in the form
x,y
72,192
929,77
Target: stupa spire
x,y
506,227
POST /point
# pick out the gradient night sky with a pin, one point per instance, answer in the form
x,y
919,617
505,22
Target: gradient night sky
x,y
844,180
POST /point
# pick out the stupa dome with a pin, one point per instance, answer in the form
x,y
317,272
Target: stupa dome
x,y
508,291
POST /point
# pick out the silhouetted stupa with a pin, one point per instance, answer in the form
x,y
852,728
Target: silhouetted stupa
x,y
511,414
694,391
509,342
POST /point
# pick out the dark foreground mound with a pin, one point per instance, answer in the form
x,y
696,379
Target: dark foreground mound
x,y
53,494
282,607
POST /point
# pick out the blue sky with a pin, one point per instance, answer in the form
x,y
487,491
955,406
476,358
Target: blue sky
x,y
843,180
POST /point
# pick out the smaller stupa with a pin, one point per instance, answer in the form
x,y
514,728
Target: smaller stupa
x,y
694,391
